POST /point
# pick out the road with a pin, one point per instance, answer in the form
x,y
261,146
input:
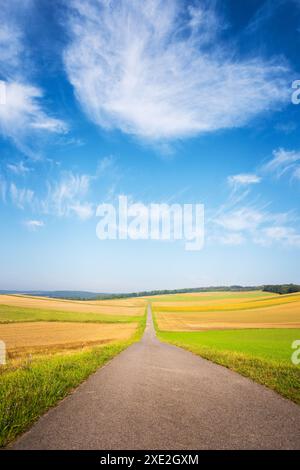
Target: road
x,y
157,396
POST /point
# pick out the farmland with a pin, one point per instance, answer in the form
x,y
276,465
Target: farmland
x,y
28,338
112,308
249,332
34,324
52,345
230,311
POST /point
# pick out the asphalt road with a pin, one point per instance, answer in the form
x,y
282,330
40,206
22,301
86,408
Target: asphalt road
x,y
157,396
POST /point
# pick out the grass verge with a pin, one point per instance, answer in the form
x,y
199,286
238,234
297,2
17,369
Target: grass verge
x,y
29,391
277,373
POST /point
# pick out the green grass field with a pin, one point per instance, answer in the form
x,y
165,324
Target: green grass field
x,y
262,355
269,344
210,296
9,314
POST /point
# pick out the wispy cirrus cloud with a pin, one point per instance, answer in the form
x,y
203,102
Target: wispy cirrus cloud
x,y
256,225
23,114
158,70
283,162
243,179
243,218
18,168
67,196
34,225
21,197
279,234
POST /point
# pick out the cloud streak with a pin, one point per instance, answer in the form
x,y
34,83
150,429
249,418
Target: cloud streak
x,y
284,162
34,225
66,197
243,179
22,114
159,72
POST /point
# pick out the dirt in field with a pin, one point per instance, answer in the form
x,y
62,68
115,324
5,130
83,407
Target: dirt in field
x,y
116,307
43,336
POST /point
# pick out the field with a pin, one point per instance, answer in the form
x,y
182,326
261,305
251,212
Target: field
x,y
28,338
116,307
231,311
52,345
33,325
10,314
249,332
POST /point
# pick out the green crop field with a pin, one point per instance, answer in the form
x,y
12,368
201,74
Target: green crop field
x,y
220,295
269,344
10,314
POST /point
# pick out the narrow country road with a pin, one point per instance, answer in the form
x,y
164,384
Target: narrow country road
x,y
157,396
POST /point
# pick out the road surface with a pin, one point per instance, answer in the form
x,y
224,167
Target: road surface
x,y
158,396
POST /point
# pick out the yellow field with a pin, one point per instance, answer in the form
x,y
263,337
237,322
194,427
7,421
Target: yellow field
x,y
135,307
230,313
227,304
21,338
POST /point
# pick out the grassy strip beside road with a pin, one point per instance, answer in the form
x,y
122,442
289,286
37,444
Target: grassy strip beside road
x,y
269,344
10,314
28,392
262,355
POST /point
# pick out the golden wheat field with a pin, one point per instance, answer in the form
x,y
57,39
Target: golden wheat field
x,y
229,313
43,337
126,307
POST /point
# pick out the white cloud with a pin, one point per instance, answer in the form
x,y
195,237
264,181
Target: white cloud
x,y
231,239
3,189
18,168
83,211
241,219
244,179
34,224
156,71
10,47
296,173
258,226
21,197
284,162
280,234
23,113
67,196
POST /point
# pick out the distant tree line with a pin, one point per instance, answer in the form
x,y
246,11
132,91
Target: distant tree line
x,y
282,288
82,295
179,291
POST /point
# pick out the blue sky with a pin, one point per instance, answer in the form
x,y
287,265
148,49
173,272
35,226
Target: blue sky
x,y
163,101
